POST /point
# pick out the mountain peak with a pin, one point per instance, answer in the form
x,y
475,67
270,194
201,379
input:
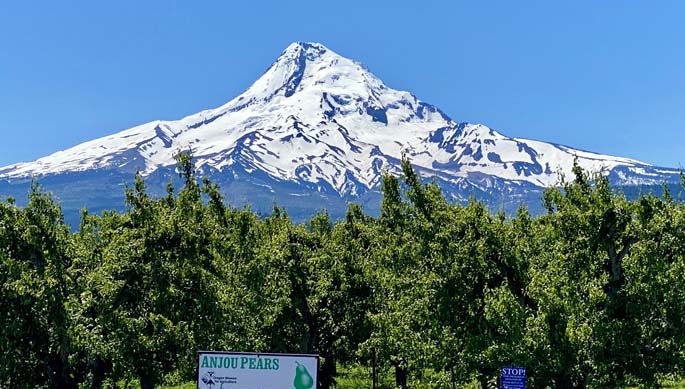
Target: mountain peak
x,y
284,76
311,50
310,65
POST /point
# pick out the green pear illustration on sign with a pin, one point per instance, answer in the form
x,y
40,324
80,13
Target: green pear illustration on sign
x,y
303,380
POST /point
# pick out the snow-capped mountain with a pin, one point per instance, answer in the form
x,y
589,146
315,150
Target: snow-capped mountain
x,y
317,122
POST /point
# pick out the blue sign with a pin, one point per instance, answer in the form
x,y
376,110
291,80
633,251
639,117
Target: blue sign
x,y
513,377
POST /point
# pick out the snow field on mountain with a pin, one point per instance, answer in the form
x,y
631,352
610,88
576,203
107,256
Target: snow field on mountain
x,y
317,117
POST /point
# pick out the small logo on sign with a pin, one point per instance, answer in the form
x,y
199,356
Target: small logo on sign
x,y
208,379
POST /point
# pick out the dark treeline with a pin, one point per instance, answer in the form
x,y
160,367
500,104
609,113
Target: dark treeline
x,y
590,294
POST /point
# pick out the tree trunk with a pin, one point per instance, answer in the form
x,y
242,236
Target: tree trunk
x,y
565,381
483,380
99,369
400,376
146,381
327,373
374,371
58,372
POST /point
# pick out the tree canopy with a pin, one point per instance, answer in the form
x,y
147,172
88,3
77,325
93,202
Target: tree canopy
x,y
589,294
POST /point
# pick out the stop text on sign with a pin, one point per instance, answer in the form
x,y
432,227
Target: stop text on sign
x,y
514,371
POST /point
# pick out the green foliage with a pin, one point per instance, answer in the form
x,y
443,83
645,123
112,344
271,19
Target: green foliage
x,y
36,346
435,295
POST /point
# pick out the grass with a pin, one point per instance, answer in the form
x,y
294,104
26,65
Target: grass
x,y
673,384
358,377
188,385
352,382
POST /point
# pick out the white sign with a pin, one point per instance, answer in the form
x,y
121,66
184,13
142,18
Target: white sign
x,y
229,370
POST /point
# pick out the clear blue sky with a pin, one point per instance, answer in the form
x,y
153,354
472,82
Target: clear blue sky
x,y
606,76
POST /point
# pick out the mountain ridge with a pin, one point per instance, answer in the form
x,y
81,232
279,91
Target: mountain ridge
x,y
325,123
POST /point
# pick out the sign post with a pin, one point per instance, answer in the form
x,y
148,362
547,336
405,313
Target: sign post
x,y
513,377
234,370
